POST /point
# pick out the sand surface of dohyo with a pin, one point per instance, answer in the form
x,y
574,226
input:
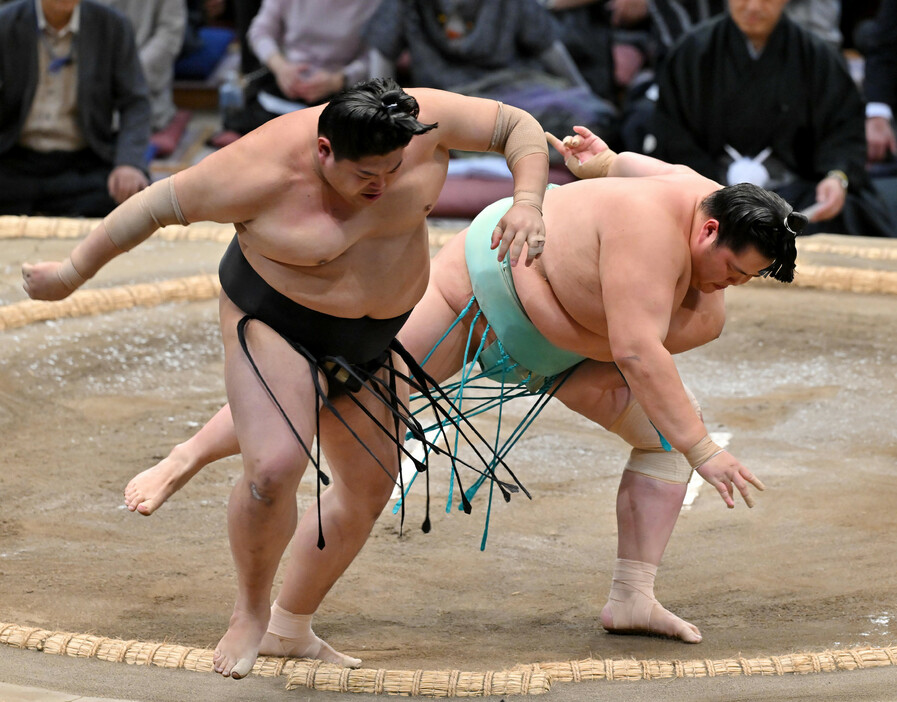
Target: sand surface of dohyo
x,y
801,383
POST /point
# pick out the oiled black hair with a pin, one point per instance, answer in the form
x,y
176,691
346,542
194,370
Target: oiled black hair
x,y
748,215
371,118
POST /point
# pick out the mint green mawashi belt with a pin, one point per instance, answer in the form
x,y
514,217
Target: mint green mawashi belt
x,y
493,287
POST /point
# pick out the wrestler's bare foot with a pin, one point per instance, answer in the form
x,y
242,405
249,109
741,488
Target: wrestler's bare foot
x,y
236,652
149,490
659,621
282,647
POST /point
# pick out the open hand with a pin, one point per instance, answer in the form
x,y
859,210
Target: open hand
x,y
723,471
522,224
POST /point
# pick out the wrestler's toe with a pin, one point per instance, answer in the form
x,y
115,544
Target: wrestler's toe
x,y
242,668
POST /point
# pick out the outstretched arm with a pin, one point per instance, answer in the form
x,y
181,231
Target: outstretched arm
x,y
643,335
586,155
125,227
205,191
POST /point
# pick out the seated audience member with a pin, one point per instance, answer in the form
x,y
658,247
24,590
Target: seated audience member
x,y
506,50
750,96
65,87
311,55
244,11
584,29
159,31
672,19
877,41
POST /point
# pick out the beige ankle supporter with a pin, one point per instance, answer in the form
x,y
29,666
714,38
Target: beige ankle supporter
x,y
295,627
517,134
291,635
632,594
648,456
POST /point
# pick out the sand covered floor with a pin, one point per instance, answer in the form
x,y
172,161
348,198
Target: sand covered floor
x,y
801,384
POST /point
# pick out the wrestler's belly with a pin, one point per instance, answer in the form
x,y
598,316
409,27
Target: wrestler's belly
x,y
542,307
553,319
381,286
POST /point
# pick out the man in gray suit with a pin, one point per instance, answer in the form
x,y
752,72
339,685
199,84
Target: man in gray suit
x,y
74,111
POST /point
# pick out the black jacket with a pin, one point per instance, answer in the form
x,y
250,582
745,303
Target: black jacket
x,y
110,81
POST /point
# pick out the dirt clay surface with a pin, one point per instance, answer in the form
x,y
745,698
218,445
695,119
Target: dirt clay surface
x,y
801,383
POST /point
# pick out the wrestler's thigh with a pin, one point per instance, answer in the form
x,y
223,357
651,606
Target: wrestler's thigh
x,y
364,465
427,326
597,391
266,440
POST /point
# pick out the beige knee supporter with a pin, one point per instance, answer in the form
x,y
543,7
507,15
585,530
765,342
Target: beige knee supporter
x,y
517,134
648,456
142,214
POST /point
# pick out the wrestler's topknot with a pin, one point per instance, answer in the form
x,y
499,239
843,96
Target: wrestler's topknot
x,y
371,118
748,215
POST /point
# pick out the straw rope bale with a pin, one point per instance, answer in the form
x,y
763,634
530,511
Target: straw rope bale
x,y
847,247
102,300
23,227
857,280
797,663
527,680
522,679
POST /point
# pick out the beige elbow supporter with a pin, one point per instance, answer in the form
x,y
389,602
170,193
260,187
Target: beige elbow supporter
x,y
648,456
140,215
517,134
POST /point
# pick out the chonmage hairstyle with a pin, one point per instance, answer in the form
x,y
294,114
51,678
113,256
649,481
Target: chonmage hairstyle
x,y
370,119
748,215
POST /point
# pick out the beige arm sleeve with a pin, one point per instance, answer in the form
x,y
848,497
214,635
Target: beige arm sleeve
x,y
140,215
126,226
517,134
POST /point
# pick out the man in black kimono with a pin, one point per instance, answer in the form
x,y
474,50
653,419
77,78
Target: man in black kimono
x,y
752,97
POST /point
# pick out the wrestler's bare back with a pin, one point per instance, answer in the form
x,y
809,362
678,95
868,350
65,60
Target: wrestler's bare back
x,y
344,258
561,292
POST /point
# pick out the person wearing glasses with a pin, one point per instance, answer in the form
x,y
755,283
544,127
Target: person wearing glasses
x,y
634,271
74,109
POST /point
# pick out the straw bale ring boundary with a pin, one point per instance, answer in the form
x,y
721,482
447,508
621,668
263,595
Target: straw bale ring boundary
x,y
522,679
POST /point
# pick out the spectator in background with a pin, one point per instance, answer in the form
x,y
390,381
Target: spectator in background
x,y
159,32
244,12
65,87
877,41
584,29
311,51
506,50
672,19
752,97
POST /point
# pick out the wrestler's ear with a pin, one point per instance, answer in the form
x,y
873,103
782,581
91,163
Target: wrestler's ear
x,y
709,231
325,149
